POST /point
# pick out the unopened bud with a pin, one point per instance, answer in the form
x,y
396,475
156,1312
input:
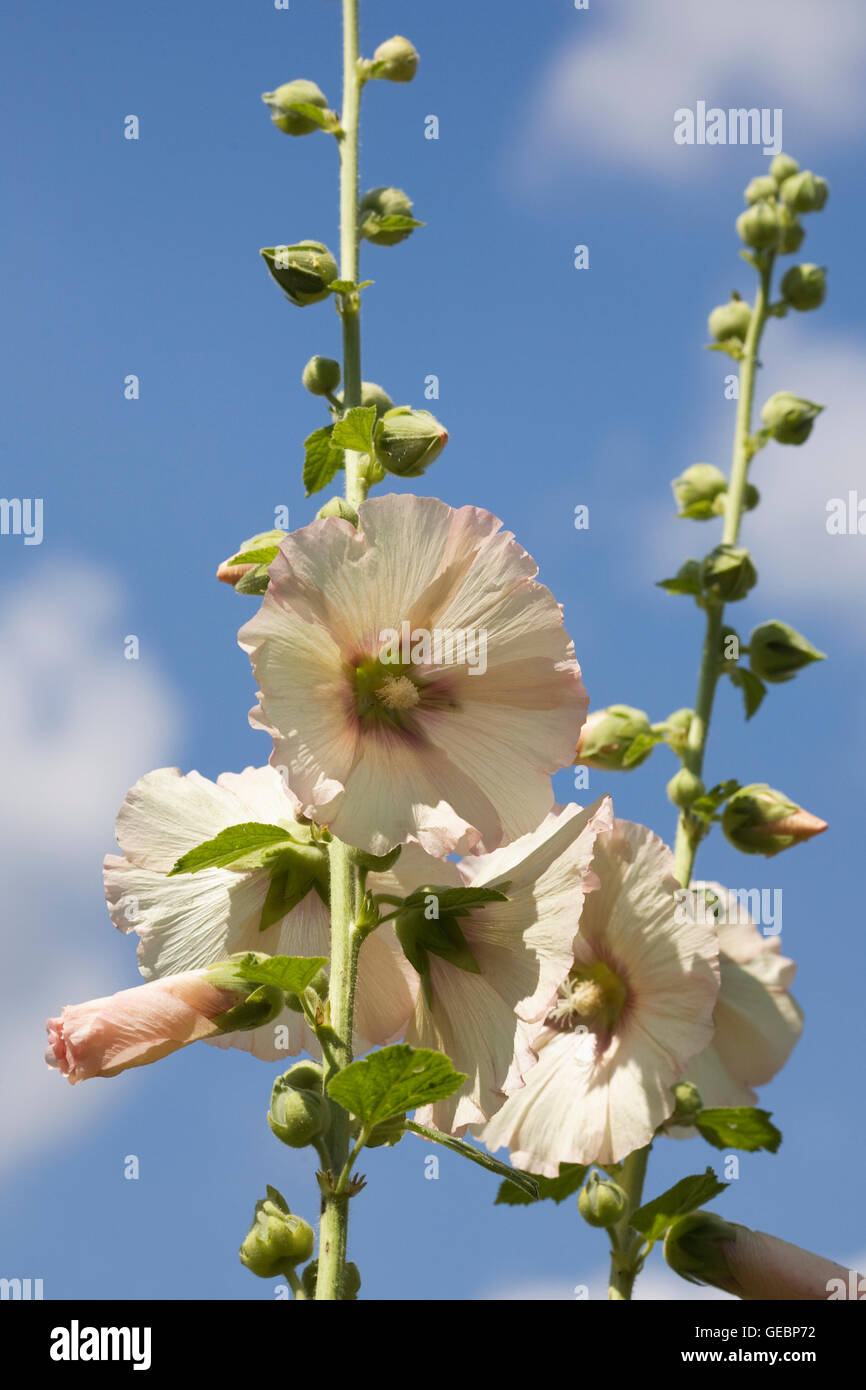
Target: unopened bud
x,y
338,506
730,320
759,226
805,192
406,441
728,573
374,395
789,418
759,820
395,60
804,286
777,652
386,216
298,1115
277,1240
303,271
607,736
601,1202
684,788
291,94
783,167
321,376
762,187
696,489
687,1100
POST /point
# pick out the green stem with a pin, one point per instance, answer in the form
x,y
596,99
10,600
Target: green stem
x,y
625,1242
350,307
690,830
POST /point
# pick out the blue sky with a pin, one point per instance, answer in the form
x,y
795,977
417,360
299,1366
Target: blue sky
x,y
558,387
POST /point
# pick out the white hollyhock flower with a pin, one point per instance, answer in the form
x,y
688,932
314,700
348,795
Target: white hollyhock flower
x,y
522,950
756,1021
636,1006
415,677
190,920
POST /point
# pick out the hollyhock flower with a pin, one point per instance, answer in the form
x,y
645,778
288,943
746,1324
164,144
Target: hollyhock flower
x,y
490,974
136,1026
415,677
756,1020
190,920
636,1006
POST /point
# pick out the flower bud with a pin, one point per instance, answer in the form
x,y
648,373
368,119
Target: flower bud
x,y
298,1115
303,271
338,506
759,820
684,788
299,92
305,1076
792,231
675,728
396,60
764,186
407,441
805,192
783,167
789,418
351,1280
804,286
730,320
607,736
321,376
777,652
759,226
374,395
377,207
601,1202
277,1240
315,991
728,573
696,489
687,1100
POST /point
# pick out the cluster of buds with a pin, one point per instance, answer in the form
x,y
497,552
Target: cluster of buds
x,y
775,201
701,492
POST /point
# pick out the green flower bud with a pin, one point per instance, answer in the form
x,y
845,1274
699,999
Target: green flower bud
x,y
378,207
317,988
762,187
804,286
338,506
277,1240
351,1280
783,167
687,1102
303,271
751,498
321,376
759,226
374,395
792,231
297,1115
777,652
789,418
395,60
675,728
696,489
684,788
297,93
407,441
601,1202
305,1076
262,1005
805,192
730,320
728,573
759,820
608,734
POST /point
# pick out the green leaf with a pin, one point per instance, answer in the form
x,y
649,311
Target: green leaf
x,y
740,1127
525,1183
355,430
236,842
653,1218
392,1080
752,686
570,1180
687,580
342,286
322,461
706,806
289,973
457,902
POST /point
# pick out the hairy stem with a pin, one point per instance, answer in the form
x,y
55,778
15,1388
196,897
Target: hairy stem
x,y
689,829
625,1241
350,308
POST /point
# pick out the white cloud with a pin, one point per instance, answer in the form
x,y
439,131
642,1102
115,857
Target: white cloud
x,y
611,93
78,724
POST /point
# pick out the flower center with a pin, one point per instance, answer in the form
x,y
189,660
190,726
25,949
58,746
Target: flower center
x,y
593,995
398,692
385,693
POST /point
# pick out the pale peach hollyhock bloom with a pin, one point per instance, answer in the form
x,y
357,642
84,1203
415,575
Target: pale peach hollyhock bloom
x,y
756,1021
192,920
136,1026
443,747
523,948
635,1007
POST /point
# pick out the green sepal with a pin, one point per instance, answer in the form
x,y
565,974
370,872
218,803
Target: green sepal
x,y
687,580
254,582
291,974
326,120
706,806
752,686
732,346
